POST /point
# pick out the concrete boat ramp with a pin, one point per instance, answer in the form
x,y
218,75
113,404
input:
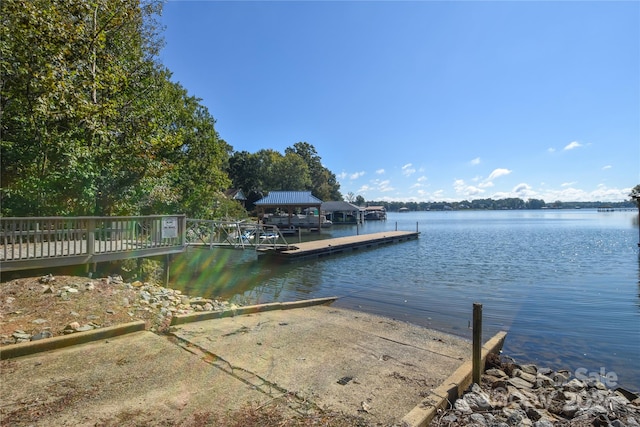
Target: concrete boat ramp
x,y
308,354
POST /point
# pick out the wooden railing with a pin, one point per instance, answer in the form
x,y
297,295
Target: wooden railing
x,y
36,242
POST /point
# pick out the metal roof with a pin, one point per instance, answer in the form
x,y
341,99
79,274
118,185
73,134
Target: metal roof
x,y
289,198
339,206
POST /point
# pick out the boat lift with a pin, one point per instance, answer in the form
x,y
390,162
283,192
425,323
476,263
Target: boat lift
x,y
234,234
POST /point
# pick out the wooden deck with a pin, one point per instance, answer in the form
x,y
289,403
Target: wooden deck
x,y
46,242
339,245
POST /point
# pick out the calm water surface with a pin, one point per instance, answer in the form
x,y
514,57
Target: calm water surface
x,y
565,284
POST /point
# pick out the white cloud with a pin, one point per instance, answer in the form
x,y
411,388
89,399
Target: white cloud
x,y
551,150
498,173
384,186
408,169
422,179
356,175
465,190
568,184
380,171
342,175
572,145
475,161
524,191
604,168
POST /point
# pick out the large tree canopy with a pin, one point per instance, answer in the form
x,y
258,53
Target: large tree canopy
x,y
91,123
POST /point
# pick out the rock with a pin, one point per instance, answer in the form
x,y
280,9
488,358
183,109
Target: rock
x,y
529,369
570,409
84,328
42,335
543,423
21,336
533,414
40,321
498,373
631,422
478,419
516,417
462,406
477,399
89,286
449,419
574,385
543,381
47,279
600,421
530,378
519,383
73,326
561,377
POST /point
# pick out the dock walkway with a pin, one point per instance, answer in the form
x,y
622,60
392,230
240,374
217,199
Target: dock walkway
x,y
326,247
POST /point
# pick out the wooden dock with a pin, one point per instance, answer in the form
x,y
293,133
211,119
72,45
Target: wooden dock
x,y
339,245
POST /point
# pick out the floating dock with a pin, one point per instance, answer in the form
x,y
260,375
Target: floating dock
x,y
326,247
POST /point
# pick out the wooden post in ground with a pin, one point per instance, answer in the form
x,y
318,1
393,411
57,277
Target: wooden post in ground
x,y
167,269
477,367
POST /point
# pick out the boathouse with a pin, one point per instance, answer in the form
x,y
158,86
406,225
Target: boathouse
x,y
341,212
285,207
375,213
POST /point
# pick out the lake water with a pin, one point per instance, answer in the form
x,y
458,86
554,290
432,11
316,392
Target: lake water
x,y
564,284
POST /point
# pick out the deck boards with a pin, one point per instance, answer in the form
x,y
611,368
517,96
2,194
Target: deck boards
x,y
320,248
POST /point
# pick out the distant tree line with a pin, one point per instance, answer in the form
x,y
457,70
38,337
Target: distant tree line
x,y
91,123
499,204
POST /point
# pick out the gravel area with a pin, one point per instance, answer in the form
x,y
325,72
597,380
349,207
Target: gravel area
x,y
47,306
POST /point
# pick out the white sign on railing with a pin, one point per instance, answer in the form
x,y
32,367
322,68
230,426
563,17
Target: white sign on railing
x,y
169,227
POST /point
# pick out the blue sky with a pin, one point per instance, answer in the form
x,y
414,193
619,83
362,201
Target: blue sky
x,y
425,100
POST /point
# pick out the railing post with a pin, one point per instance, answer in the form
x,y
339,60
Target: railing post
x,y
477,343
91,236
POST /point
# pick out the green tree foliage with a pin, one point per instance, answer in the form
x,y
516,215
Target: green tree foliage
x,y
635,195
290,172
91,123
324,184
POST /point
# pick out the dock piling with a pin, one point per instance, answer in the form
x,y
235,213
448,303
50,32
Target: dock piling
x,y
477,367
